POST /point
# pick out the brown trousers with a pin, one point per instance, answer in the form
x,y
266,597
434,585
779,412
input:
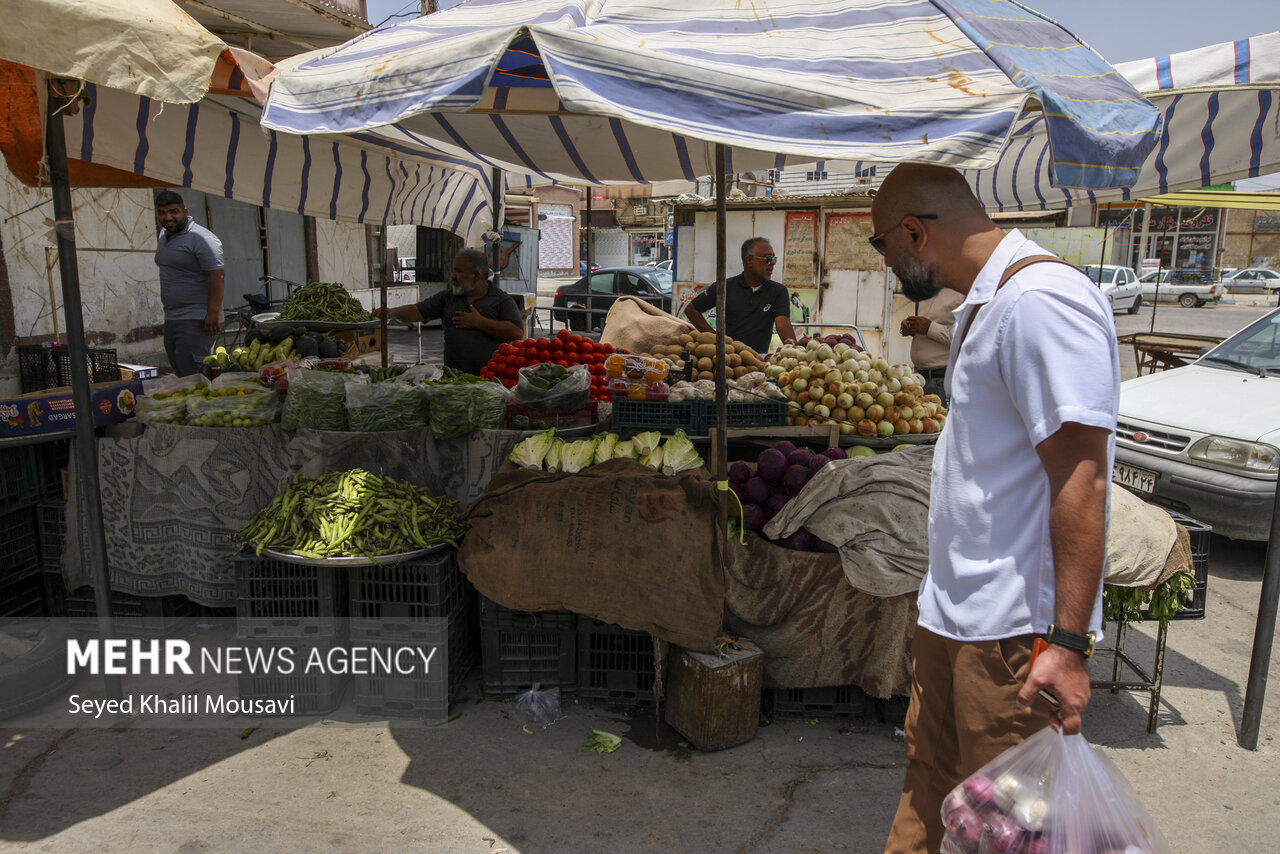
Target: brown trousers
x,y
963,714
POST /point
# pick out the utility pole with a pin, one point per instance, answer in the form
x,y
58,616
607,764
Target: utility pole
x,y
428,7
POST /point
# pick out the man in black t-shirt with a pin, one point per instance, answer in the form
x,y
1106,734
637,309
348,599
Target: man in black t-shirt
x,y
476,316
754,304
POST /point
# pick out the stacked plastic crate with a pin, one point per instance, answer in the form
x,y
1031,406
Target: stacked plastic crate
x,y
420,613
288,611
520,649
615,665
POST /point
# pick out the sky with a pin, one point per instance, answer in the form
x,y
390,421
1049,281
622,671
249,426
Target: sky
x,y
1120,30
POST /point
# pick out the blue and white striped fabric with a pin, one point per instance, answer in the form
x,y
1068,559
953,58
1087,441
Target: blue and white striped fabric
x,y
1221,107
217,146
640,90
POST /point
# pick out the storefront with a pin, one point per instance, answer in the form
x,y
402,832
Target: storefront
x,y
1170,238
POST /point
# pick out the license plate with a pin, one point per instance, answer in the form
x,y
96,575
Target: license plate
x,y
1134,478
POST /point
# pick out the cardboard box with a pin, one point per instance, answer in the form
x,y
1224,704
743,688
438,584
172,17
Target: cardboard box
x,y
53,410
138,372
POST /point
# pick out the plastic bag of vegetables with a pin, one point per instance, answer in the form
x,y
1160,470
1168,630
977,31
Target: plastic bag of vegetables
x,y
454,409
233,406
549,387
165,400
1051,794
389,405
318,399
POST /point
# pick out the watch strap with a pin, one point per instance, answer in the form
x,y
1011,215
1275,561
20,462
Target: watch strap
x,y
1082,644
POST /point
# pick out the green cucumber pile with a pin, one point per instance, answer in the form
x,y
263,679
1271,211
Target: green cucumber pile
x,y
352,514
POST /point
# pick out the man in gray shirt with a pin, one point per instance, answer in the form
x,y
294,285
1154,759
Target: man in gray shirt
x,y
477,317
191,282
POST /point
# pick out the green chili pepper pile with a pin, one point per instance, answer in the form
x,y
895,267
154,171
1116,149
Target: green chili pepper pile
x,y
324,301
352,514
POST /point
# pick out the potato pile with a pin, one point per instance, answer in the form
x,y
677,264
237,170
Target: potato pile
x,y
700,347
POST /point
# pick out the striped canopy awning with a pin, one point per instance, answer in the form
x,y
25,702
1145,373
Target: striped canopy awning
x,y
217,146
614,91
1221,107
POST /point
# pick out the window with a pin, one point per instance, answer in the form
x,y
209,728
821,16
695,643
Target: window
x,y
632,286
641,210
601,283
815,176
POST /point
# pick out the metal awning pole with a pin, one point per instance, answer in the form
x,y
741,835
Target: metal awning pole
x,y
720,448
1263,635
86,442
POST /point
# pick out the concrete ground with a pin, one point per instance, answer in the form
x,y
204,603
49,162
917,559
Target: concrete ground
x,y
481,783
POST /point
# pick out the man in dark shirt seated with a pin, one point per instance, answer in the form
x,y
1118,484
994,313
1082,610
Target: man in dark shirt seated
x,y
754,304
476,316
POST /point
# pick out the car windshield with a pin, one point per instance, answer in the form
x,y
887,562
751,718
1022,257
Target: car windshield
x,y
1256,348
663,279
1101,275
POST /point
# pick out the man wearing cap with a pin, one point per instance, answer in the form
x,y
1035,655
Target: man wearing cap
x,y
754,304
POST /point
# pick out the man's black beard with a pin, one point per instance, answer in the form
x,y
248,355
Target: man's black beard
x,y
919,288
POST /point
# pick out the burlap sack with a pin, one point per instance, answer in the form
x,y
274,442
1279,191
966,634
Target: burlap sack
x,y
635,325
617,542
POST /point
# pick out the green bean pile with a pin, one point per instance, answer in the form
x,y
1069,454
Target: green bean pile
x,y
352,514
324,301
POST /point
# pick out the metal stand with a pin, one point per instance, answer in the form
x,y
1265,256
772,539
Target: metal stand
x,y
1150,683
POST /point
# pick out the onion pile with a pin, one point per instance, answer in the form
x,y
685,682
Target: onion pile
x,y
863,393
781,471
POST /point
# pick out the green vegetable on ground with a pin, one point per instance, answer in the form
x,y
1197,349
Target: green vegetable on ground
x,y
600,741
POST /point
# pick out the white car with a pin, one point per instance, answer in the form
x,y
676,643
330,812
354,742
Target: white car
x,y
1254,280
1204,439
1187,288
1119,285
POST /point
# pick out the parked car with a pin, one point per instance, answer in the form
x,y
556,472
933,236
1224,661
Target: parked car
x,y
661,265
1119,285
1254,280
1204,439
594,294
1188,288
407,271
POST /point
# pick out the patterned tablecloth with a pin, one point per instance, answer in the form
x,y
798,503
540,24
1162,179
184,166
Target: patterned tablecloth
x,y
173,496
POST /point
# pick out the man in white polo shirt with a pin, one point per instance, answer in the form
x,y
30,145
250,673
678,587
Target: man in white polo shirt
x,y
1018,503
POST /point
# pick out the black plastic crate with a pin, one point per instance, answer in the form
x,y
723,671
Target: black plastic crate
x,y
401,601
133,616
19,481
51,525
313,692
835,701
614,664
664,415
51,460
22,593
18,541
521,648
426,696
43,367
275,599
751,413
1200,536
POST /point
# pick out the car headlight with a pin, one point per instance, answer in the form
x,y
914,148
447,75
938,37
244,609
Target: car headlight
x,y
1254,457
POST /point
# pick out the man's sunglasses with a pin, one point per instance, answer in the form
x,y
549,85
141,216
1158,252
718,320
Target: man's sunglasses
x,y
877,240
768,259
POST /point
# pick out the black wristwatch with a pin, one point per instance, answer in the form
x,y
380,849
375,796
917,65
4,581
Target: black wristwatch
x,y
1082,644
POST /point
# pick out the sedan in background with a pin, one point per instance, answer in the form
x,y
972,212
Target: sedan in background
x,y
584,304
1204,439
1119,285
1254,280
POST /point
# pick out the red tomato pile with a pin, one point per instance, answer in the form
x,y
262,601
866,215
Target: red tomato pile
x,y
565,349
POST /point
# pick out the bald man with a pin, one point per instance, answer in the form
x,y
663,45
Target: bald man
x,y
1018,504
